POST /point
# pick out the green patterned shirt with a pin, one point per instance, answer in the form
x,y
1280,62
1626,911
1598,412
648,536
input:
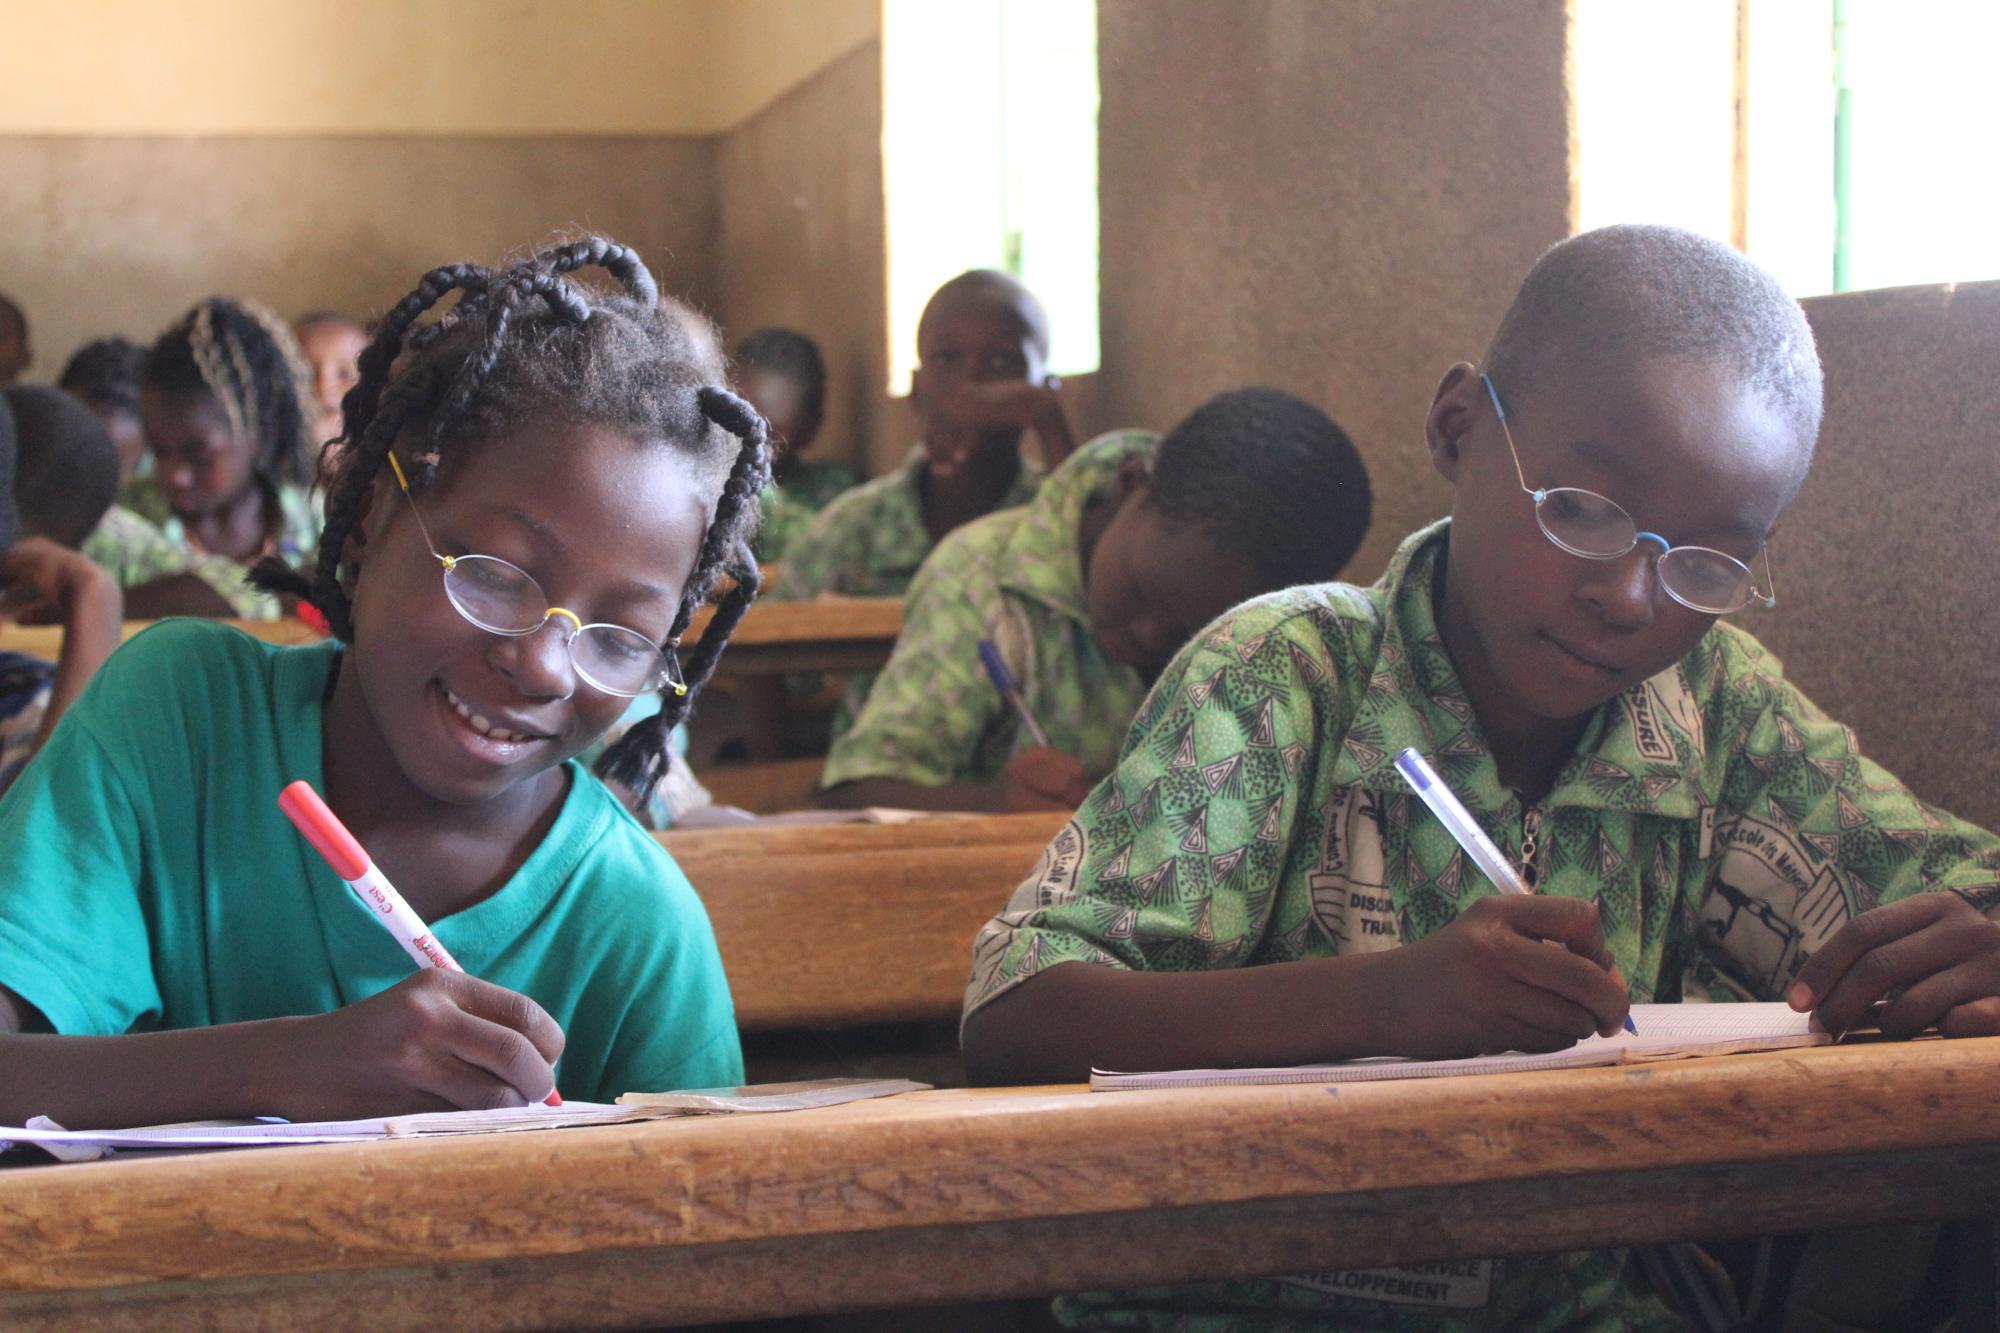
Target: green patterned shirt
x,y
869,543
1726,825
1015,577
133,551
788,509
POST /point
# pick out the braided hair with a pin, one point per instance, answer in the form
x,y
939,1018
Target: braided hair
x,y
248,359
525,342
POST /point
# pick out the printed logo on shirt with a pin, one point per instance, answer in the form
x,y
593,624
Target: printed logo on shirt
x,y
1770,905
1350,898
1643,712
1466,1285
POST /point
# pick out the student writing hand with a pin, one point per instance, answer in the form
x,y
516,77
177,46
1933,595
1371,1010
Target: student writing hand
x,y
1039,778
436,1041
1489,981
1934,956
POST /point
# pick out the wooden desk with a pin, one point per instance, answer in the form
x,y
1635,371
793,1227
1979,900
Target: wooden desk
x,y
890,910
775,638
1001,1194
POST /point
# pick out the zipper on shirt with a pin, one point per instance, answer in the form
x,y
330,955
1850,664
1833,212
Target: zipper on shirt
x,y
1531,846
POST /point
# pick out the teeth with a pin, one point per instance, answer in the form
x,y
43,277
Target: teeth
x,y
478,722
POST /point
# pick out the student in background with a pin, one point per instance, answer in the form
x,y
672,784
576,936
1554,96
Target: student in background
x,y
228,416
43,582
161,916
104,376
982,350
783,376
331,344
64,480
16,354
1132,545
1644,762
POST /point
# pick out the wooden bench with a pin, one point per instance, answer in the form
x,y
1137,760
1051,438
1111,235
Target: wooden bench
x,y
827,926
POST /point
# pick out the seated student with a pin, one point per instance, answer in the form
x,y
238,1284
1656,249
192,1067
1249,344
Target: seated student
x,y
1645,763
982,345
578,454
42,582
16,355
64,478
1133,545
784,377
104,376
228,420
331,344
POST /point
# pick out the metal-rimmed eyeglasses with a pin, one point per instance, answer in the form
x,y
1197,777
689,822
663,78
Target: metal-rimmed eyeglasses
x,y
502,598
1594,527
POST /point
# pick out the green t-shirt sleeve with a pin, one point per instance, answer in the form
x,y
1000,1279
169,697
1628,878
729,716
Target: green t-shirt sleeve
x,y
931,705
1809,833
1175,861
74,940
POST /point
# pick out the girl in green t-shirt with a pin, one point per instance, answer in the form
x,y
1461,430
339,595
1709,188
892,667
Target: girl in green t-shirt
x,y
547,453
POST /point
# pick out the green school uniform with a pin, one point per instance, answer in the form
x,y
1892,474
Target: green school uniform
x,y
870,541
1727,827
134,551
1015,577
788,509
125,545
149,881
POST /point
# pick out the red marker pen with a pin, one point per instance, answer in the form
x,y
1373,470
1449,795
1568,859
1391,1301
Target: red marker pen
x,y
323,829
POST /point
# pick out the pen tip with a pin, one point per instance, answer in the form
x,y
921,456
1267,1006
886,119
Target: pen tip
x,y
1629,1027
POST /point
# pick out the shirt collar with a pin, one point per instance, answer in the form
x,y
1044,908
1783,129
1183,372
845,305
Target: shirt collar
x,y
1043,557
1641,751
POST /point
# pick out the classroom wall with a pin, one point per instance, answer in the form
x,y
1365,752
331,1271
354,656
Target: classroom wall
x,y
799,195
1885,565
1348,254
318,153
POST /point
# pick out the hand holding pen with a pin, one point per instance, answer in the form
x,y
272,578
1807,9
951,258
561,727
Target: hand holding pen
x,y
1465,831
1040,777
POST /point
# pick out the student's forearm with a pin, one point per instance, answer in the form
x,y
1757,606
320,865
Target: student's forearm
x,y
147,1078
92,626
176,595
1059,1025
898,795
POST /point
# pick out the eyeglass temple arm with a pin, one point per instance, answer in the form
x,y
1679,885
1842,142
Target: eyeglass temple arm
x,y
424,528
1513,453
1768,594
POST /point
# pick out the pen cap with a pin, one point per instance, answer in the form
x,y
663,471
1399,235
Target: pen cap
x,y
996,669
323,829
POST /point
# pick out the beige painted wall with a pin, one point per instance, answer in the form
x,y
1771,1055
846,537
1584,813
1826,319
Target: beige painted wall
x,y
118,235
531,67
1334,197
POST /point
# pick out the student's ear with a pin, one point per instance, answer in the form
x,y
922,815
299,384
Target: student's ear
x,y
1454,411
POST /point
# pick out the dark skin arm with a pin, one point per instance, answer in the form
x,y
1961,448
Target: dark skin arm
x,y
1487,982
437,1041
1035,779
175,595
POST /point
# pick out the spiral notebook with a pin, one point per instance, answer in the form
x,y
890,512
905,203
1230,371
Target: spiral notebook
x,y
1666,1032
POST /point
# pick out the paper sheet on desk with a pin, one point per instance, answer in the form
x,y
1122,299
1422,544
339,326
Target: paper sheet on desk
x,y
1666,1032
84,1145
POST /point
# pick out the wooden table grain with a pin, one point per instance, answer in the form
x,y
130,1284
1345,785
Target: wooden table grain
x,y
953,1196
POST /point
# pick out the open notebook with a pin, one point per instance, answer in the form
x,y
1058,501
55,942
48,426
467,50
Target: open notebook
x,y
1666,1032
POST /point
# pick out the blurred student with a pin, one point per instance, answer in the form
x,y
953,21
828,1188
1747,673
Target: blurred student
x,y
104,376
1087,592
783,375
16,354
331,344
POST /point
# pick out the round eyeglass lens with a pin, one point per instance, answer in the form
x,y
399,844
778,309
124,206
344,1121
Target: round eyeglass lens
x,y
495,595
1585,523
619,660
1706,580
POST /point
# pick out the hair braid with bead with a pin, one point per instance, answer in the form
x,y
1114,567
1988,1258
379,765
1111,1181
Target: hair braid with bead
x,y
524,344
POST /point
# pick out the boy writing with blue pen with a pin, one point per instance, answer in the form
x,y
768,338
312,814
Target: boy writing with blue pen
x,y
1693,828
1084,594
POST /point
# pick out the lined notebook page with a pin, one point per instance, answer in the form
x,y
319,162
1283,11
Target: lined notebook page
x,y
1666,1032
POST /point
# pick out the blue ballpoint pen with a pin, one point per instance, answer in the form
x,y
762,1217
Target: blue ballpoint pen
x,y
1465,830
1003,681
